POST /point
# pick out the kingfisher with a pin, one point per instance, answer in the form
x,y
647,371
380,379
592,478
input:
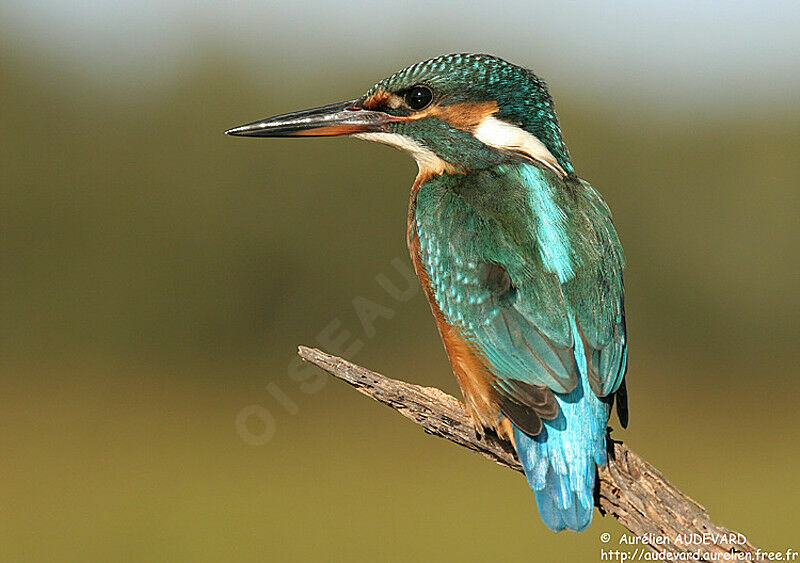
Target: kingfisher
x,y
518,257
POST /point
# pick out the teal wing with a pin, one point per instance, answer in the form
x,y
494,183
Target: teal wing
x,y
598,299
481,244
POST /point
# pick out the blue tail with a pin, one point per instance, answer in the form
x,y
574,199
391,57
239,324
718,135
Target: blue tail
x,y
560,462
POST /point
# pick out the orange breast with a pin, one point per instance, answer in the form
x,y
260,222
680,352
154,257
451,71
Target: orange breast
x,y
471,368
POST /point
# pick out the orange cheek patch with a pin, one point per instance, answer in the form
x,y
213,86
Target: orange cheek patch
x,y
467,115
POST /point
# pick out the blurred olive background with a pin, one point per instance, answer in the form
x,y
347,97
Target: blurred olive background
x,y
157,276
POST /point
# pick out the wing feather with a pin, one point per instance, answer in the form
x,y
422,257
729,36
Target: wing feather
x,y
489,278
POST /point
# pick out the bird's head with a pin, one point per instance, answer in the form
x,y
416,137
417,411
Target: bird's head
x,y
453,113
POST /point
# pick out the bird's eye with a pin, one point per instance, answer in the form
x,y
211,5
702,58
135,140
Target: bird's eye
x,y
418,97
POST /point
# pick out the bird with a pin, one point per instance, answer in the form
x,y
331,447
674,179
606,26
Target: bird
x,y
518,257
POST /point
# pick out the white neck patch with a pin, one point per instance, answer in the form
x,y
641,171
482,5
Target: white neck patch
x,y
502,135
427,160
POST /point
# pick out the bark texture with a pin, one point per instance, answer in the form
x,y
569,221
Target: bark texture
x,y
630,489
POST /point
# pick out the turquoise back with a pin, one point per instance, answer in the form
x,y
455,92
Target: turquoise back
x,y
528,266
514,253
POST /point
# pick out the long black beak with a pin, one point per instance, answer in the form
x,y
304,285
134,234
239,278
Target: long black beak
x,y
343,118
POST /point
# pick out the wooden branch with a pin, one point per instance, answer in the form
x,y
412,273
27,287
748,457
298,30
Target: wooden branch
x,y
630,489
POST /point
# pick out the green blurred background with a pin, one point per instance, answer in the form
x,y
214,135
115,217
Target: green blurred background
x,y
157,276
